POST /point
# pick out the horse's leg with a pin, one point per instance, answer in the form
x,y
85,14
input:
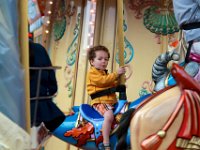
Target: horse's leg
x,y
123,128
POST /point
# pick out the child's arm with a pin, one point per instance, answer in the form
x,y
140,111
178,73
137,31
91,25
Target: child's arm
x,y
106,80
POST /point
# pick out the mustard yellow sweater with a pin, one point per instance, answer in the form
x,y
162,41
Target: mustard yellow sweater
x,y
98,80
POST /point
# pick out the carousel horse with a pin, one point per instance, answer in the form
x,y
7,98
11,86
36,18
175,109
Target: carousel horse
x,y
168,119
83,128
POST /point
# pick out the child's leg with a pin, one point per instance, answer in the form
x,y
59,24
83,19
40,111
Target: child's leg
x,y
108,119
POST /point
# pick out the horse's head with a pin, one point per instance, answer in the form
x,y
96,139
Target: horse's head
x,y
184,80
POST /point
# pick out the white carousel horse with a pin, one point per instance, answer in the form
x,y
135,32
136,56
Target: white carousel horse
x,y
168,119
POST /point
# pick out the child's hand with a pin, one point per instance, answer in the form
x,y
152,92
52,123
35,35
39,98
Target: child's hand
x,y
121,70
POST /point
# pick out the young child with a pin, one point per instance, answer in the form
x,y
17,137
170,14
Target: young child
x,y
98,79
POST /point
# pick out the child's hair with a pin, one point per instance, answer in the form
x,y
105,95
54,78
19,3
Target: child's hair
x,y
92,51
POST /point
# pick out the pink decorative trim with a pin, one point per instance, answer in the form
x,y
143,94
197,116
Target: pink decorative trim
x,y
194,57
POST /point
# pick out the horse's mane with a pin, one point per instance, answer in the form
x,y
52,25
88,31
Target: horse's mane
x,y
123,128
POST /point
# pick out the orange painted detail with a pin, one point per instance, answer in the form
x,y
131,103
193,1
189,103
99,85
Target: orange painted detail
x,y
174,44
81,134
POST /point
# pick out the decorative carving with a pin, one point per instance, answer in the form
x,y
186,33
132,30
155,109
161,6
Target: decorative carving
x,y
128,48
158,16
81,134
72,49
147,88
59,24
160,21
71,56
71,9
68,74
138,6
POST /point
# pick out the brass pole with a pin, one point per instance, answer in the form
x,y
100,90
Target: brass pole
x,y
24,53
120,33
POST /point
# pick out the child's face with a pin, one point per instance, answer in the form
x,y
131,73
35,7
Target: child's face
x,y
101,60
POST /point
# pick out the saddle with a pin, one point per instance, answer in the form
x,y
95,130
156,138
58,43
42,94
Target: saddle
x,y
91,115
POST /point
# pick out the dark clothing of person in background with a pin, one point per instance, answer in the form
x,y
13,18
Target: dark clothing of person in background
x,y
43,110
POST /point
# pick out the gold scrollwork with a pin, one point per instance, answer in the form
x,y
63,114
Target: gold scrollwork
x,y
193,143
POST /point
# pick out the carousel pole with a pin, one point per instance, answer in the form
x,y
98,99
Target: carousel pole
x,y
24,53
120,33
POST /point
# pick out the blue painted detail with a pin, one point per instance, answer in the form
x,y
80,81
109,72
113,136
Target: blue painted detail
x,y
37,24
129,46
143,92
75,108
136,102
72,53
72,49
118,106
91,115
171,81
125,25
128,52
68,124
128,137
